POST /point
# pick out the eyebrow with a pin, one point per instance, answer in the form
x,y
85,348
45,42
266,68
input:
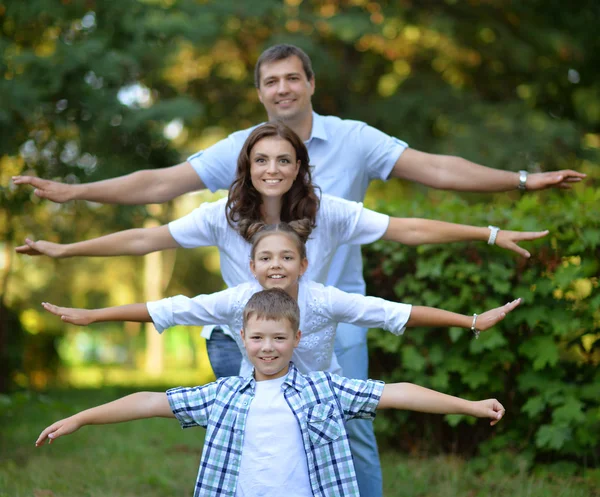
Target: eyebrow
x,y
281,156
269,252
287,75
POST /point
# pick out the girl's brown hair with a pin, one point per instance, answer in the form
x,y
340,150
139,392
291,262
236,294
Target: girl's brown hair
x,y
297,231
300,202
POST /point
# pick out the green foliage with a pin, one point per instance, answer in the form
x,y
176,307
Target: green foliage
x,y
542,361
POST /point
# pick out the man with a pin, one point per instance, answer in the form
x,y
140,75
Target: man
x,y
347,155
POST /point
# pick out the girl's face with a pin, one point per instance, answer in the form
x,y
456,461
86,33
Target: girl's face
x,y
273,166
277,263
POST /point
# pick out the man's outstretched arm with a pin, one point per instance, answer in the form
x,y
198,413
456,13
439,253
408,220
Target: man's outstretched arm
x,y
149,186
446,172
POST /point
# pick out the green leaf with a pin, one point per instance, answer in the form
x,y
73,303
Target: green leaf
x,y
552,436
542,349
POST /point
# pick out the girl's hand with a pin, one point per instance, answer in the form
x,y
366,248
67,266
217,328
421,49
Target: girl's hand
x,y
51,190
489,318
510,239
80,317
489,408
63,427
41,247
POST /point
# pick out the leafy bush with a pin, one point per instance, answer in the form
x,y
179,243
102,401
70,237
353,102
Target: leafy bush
x,y
541,362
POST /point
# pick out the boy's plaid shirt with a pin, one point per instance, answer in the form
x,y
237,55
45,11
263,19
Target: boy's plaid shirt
x,y
321,402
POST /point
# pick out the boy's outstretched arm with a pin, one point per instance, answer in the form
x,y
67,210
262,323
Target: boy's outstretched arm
x,y
412,397
148,186
138,241
431,316
139,405
416,231
133,312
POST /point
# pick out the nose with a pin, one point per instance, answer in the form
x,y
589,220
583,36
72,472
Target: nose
x,y
267,345
282,86
275,264
272,167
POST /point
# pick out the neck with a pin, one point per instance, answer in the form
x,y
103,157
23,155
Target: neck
x,y
271,209
301,124
293,291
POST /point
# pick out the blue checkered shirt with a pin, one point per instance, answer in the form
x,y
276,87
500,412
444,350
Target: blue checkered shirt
x,y
321,403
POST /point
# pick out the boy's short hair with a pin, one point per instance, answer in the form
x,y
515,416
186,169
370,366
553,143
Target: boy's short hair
x,y
280,52
273,305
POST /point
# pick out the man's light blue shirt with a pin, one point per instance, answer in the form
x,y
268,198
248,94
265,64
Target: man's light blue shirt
x,y
346,156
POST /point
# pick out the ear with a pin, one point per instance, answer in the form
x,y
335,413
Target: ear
x,y
297,338
303,266
242,334
252,267
311,82
260,95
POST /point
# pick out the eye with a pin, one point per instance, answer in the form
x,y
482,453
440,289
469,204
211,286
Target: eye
x,y
285,161
259,159
288,258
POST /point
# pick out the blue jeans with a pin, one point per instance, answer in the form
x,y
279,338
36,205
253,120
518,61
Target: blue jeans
x,y
352,354
223,353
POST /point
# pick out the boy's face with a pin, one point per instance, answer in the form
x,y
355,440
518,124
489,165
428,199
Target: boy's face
x,y
269,345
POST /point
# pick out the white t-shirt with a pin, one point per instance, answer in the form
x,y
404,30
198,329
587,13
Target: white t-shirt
x,y
338,222
273,459
347,155
321,309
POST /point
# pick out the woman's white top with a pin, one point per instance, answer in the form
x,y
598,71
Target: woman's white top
x,y
321,309
338,222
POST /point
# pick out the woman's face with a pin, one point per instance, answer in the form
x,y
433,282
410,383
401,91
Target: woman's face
x,y
273,166
277,262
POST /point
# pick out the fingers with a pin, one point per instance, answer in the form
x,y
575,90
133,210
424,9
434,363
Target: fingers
x,y
511,305
497,412
529,235
50,434
30,248
54,309
27,180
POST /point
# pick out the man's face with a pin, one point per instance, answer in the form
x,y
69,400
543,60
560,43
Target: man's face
x,y
269,345
284,89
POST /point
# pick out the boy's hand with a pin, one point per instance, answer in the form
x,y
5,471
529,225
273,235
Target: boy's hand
x,y
51,190
490,318
63,427
489,408
41,247
510,239
80,317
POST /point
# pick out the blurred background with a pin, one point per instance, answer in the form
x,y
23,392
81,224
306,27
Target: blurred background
x,y
92,90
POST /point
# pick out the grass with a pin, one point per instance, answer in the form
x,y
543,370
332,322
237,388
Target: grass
x,y
156,458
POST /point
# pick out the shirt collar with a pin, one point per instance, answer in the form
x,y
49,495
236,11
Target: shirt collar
x,y
318,128
294,379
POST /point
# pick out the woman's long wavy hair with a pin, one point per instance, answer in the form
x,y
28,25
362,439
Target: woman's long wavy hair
x,y
300,202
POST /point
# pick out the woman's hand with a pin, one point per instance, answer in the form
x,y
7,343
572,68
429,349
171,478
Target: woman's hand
x,y
510,239
42,247
80,317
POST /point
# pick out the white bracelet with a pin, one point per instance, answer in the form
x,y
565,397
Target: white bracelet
x,y
522,180
475,331
493,234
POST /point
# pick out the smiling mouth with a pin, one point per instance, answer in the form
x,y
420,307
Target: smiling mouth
x,y
272,181
276,276
286,101
268,359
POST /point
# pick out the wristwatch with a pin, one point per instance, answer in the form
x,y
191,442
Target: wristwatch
x,y
493,234
522,180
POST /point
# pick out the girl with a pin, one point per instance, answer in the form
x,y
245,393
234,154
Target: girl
x,y
278,260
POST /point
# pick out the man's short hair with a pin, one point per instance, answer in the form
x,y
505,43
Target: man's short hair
x,y
273,305
280,52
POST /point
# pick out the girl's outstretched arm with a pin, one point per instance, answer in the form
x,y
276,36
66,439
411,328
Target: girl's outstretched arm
x,y
139,241
412,397
82,317
416,231
431,316
139,405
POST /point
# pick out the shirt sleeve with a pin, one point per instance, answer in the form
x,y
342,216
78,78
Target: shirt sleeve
x,y
192,406
200,228
216,165
380,150
350,223
368,312
201,310
358,398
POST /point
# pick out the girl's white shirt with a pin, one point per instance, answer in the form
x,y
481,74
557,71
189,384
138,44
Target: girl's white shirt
x,y
338,222
321,309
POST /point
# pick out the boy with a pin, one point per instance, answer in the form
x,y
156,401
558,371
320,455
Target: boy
x,y
277,428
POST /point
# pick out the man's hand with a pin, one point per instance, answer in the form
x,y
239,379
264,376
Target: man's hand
x,y
510,239
80,317
41,247
555,179
51,190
